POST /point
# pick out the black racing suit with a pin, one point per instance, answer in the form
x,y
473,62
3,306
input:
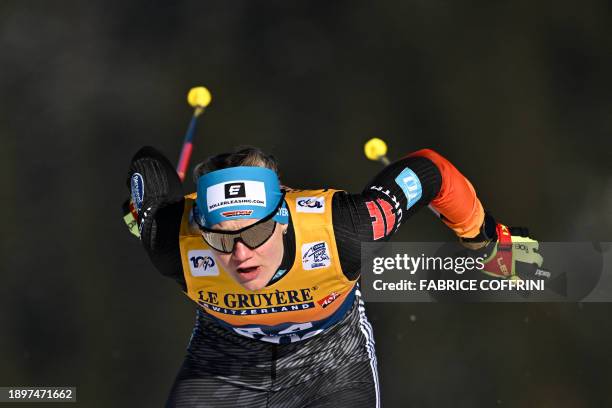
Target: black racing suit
x,y
335,368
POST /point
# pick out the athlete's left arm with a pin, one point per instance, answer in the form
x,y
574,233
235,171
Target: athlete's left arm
x,y
422,178
383,205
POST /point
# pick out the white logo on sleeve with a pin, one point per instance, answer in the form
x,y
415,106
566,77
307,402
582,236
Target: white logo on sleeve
x,y
315,255
411,186
202,263
236,192
310,204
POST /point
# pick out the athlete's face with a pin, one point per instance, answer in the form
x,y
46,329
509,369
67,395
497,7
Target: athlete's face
x,y
251,268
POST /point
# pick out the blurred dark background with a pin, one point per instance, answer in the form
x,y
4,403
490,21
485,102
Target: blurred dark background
x,y
516,94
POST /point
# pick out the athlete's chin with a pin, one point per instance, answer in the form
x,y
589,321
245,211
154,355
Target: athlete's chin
x,y
253,280
253,285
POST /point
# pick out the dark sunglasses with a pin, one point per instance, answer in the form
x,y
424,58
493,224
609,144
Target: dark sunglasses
x,y
253,236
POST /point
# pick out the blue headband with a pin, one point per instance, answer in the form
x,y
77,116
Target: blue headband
x,y
239,192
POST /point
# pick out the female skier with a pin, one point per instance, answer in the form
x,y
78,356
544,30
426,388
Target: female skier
x,y
273,271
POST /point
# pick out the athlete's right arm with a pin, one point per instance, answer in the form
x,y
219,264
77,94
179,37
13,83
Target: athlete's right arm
x,y
160,202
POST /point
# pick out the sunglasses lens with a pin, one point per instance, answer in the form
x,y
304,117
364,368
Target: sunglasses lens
x,y
258,234
220,242
252,237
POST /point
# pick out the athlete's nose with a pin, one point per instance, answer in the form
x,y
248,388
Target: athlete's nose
x,y
241,252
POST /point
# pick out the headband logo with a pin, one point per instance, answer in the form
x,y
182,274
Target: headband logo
x,y
237,213
234,190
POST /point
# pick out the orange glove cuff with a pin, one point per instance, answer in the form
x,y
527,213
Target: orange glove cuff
x,y
457,200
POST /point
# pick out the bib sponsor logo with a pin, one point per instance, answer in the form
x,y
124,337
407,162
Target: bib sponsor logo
x,y
137,187
328,300
202,263
315,255
310,204
247,304
236,193
410,185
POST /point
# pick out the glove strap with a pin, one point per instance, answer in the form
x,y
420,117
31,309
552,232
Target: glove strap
x,y
504,250
500,262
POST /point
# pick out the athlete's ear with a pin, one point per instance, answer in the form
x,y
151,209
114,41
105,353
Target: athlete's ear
x,y
285,227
